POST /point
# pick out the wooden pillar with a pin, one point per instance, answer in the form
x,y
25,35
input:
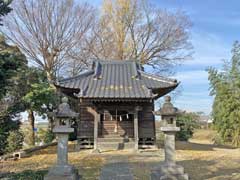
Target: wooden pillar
x,y
136,138
96,120
136,129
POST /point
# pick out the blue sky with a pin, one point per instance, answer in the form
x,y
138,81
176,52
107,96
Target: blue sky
x,y
216,26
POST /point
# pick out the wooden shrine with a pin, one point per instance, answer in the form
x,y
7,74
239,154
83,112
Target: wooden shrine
x,y
115,100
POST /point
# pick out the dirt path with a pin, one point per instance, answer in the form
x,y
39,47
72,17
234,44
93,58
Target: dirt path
x,y
116,168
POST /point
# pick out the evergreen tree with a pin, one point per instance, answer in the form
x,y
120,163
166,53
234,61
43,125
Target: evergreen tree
x,y
187,123
13,64
4,8
225,87
40,97
14,141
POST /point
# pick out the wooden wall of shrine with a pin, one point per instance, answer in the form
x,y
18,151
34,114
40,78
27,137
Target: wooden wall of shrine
x,y
120,112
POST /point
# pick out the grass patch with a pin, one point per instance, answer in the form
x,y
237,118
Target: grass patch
x,y
27,175
90,166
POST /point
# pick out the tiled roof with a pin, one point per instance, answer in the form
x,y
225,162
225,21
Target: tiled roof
x,y
118,79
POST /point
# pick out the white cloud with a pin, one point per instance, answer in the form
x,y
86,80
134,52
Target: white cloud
x,y
192,77
195,93
196,104
209,49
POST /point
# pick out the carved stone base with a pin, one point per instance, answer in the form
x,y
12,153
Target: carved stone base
x,y
169,172
62,172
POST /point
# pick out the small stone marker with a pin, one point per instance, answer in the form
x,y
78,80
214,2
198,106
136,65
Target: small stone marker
x,y
62,170
169,170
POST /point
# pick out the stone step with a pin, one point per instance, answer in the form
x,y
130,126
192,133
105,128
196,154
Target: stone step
x,y
114,135
174,169
115,139
115,146
183,177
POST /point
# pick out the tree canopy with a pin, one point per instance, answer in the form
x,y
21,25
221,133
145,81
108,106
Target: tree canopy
x,y
225,87
64,36
48,30
39,97
13,64
4,8
136,30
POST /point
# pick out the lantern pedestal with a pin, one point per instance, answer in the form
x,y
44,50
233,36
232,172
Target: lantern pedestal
x,y
63,170
169,170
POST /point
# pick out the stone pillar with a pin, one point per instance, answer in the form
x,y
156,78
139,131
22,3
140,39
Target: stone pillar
x,y
62,149
169,170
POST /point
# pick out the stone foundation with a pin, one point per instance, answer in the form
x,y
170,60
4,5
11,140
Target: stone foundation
x,y
64,172
173,172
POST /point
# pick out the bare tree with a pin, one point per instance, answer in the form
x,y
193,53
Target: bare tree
x,y
133,29
48,30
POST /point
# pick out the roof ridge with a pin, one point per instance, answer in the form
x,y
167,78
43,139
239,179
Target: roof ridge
x,y
156,77
115,61
88,72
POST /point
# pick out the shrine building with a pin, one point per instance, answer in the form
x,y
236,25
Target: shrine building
x,y
115,100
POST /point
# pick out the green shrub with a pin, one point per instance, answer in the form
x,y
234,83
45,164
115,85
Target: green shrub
x,y
217,140
27,135
14,141
187,123
28,175
49,137
45,136
6,126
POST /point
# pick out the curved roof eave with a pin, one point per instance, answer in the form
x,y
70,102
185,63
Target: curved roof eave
x,y
159,92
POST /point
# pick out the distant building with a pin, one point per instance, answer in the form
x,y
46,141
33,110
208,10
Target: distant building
x,y
205,121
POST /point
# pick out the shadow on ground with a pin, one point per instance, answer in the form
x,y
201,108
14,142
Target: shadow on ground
x,y
141,164
182,145
204,169
196,169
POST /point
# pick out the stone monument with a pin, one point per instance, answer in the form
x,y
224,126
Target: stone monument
x,y
169,170
62,170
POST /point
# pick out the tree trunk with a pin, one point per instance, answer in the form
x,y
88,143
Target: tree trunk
x,y
50,123
31,120
50,78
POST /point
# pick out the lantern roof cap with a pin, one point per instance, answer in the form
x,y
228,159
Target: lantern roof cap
x,y
64,110
167,108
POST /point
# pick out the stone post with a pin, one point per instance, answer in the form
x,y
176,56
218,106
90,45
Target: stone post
x,y
169,170
62,149
62,170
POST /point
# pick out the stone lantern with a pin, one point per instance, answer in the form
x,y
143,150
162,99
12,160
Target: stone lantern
x,y
62,129
169,170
